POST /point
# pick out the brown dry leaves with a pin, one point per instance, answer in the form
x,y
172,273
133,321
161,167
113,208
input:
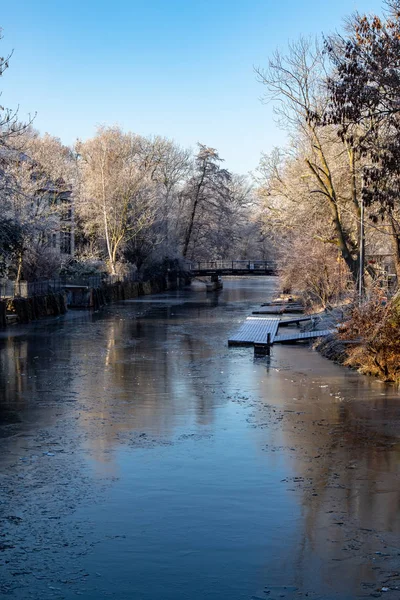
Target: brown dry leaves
x,y
376,327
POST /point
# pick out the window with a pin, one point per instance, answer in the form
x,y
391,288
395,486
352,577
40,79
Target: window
x,y
65,242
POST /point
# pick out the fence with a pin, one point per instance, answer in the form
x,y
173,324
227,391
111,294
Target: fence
x,y
26,289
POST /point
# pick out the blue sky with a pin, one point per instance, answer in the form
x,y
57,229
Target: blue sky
x,y
183,69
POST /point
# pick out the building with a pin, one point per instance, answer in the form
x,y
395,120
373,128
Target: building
x,y
60,196
57,194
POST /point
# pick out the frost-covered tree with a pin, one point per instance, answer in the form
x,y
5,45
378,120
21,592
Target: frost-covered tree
x,y
296,84
34,174
117,200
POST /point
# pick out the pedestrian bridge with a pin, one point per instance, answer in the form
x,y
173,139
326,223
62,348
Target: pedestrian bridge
x,y
233,267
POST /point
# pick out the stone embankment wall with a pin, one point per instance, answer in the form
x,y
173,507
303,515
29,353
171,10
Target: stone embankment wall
x,y
3,312
133,289
29,309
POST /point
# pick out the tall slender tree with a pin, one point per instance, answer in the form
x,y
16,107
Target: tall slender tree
x,y
296,85
205,191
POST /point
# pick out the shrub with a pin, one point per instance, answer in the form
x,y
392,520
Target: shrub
x,y
375,328
316,273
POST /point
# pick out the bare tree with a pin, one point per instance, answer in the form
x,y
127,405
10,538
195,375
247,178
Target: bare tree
x,y
10,125
364,103
297,85
206,189
31,184
117,199
172,167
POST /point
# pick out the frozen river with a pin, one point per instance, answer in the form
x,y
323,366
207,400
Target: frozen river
x,y
142,459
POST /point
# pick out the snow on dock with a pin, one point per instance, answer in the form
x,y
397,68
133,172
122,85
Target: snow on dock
x,y
279,309
300,337
296,320
255,330
262,332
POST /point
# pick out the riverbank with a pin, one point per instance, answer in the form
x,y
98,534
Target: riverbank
x,y
24,310
330,346
362,336
367,338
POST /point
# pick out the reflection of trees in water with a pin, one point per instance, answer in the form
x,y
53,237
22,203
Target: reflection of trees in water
x,y
201,394
127,373
141,379
13,358
349,465
33,369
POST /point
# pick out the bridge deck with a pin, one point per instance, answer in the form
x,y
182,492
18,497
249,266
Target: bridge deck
x,y
304,336
255,330
232,267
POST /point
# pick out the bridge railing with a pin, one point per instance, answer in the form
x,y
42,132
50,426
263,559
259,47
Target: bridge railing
x,y
233,265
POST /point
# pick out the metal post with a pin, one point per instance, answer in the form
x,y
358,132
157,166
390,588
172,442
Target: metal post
x,y
361,258
263,349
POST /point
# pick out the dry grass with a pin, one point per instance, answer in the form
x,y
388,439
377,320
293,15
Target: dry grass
x,y
375,327
316,274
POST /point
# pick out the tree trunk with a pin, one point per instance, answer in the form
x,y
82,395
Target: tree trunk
x,y
113,260
190,228
19,270
395,229
328,191
193,213
111,253
106,232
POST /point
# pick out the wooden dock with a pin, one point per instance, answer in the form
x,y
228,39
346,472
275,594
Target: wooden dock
x,y
284,304
255,331
262,333
279,308
270,310
297,320
301,337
